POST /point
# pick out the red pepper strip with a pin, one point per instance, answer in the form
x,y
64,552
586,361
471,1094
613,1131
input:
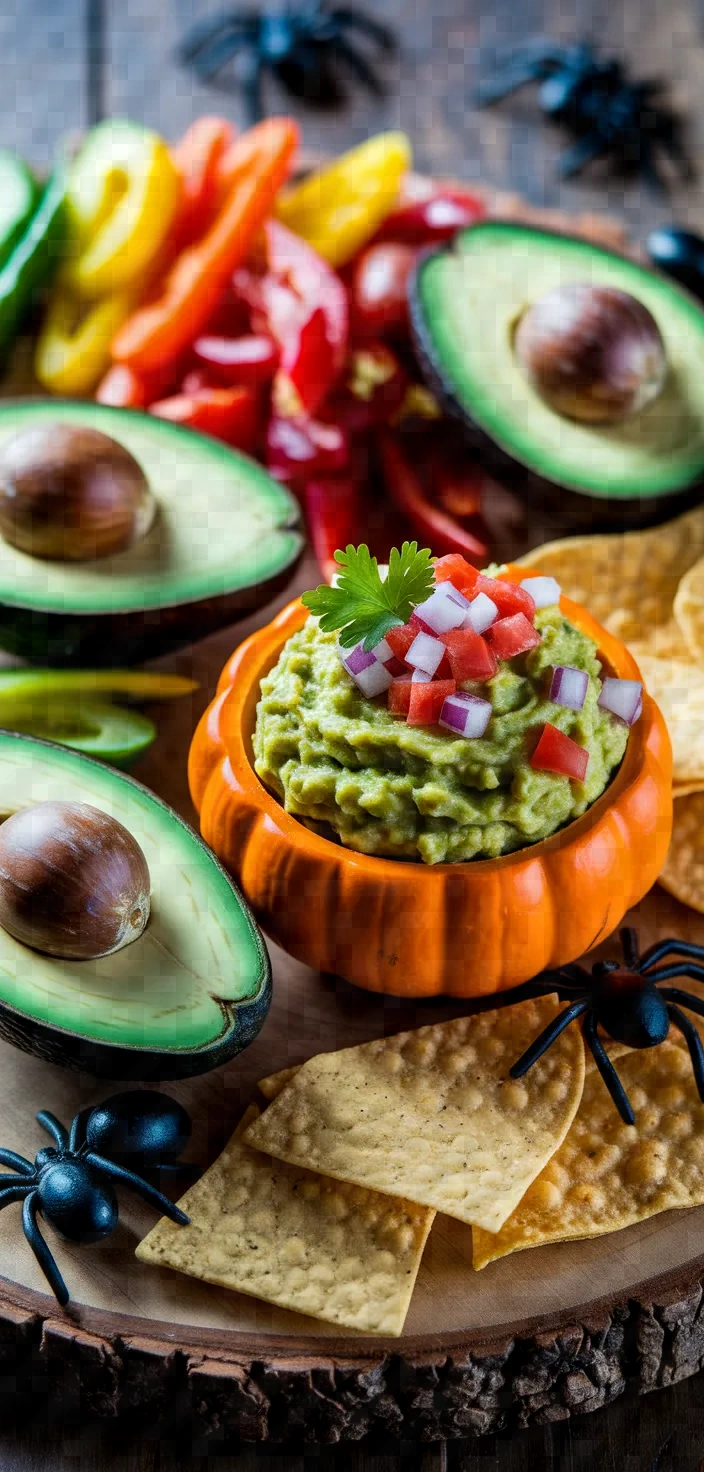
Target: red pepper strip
x,y
433,220
372,390
434,527
379,289
158,333
229,414
340,509
301,449
249,360
303,304
122,388
198,157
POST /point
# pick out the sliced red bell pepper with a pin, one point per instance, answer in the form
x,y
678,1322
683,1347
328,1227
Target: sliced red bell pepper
x,y
399,696
432,220
469,655
229,414
198,157
379,290
372,389
511,636
454,568
433,527
335,510
508,597
303,304
426,701
122,388
157,333
250,360
558,753
301,449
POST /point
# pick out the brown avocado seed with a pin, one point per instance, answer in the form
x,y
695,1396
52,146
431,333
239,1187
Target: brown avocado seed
x,y
592,353
73,882
71,493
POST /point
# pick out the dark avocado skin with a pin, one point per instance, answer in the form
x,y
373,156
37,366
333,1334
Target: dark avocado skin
x,y
584,512
66,640
242,1021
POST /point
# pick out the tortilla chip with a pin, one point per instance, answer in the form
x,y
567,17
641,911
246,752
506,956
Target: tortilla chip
x,y
331,1251
629,581
432,1115
683,874
273,1085
689,609
607,1174
678,688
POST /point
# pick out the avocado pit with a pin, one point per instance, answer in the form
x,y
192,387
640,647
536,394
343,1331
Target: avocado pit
x,y
74,883
71,493
593,353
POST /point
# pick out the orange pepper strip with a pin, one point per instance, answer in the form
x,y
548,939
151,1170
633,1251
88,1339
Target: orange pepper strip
x,y
258,164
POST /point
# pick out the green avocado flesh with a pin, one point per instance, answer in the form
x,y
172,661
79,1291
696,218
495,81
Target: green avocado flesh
x,y
223,524
468,300
169,990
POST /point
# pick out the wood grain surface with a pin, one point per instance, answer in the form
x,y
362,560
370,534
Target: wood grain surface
x,y
443,46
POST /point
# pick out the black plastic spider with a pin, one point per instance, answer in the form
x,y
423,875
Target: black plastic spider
x,y
626,1003
69,1183
609,114
302,44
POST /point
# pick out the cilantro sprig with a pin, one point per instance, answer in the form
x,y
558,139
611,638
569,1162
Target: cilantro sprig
x,y
363,606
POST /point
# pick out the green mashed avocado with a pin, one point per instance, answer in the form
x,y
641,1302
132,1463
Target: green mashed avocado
x,y
387,788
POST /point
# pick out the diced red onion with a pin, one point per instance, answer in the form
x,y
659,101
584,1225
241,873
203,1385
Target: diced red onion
x,y
369,674
425,653
569,686
382,651
623,698
481,614
465,715
444,609
545,592
419,677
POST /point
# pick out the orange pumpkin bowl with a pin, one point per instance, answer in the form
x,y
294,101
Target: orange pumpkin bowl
x,y
410,929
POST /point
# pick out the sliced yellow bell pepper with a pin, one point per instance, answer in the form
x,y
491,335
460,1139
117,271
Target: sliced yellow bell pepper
x,y
123,192
339,208
73,351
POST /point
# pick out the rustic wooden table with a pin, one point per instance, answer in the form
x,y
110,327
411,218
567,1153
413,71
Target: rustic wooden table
x,y
58,67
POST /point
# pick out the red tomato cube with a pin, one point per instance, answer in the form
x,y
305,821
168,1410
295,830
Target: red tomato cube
x,y
511,636
469,655
556,752
427,701
400,639
508,597
456,570
399,696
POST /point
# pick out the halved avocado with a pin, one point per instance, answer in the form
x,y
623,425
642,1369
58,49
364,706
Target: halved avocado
x,y
185,997
225,539
466,301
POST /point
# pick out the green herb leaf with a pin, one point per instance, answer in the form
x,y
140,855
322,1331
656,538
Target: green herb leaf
x,y
363,606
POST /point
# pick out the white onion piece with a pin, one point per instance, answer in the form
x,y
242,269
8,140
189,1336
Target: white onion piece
x,y
425,653
465,715
445,609
545,592
481,614
569,686
623,698
369,674
419,677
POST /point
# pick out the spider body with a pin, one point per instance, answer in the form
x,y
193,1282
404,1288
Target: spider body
x,y
303,44
70,1184
631,1006
609,114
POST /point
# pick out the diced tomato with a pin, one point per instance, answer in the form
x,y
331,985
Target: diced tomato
x,y
511,636
427,701
556,752
399,698
469,655
508,597
378,295
457,570
400,639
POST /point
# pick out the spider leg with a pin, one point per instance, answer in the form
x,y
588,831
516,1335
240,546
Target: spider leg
x,y
41,1250
15,1190
662,948
546,1038
607,1070
18,1162
251,83
629,945
572,160
359,67
211,29
77,1133
173,1168
148,1193
53,1127
354,20
671,994
494,90
668,973
694,1043
212,59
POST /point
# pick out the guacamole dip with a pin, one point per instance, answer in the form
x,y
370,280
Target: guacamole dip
x,y
387,788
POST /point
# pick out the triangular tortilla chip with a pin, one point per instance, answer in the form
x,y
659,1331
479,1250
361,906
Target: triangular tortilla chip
x,y
607,1174
332,1251
432,1115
